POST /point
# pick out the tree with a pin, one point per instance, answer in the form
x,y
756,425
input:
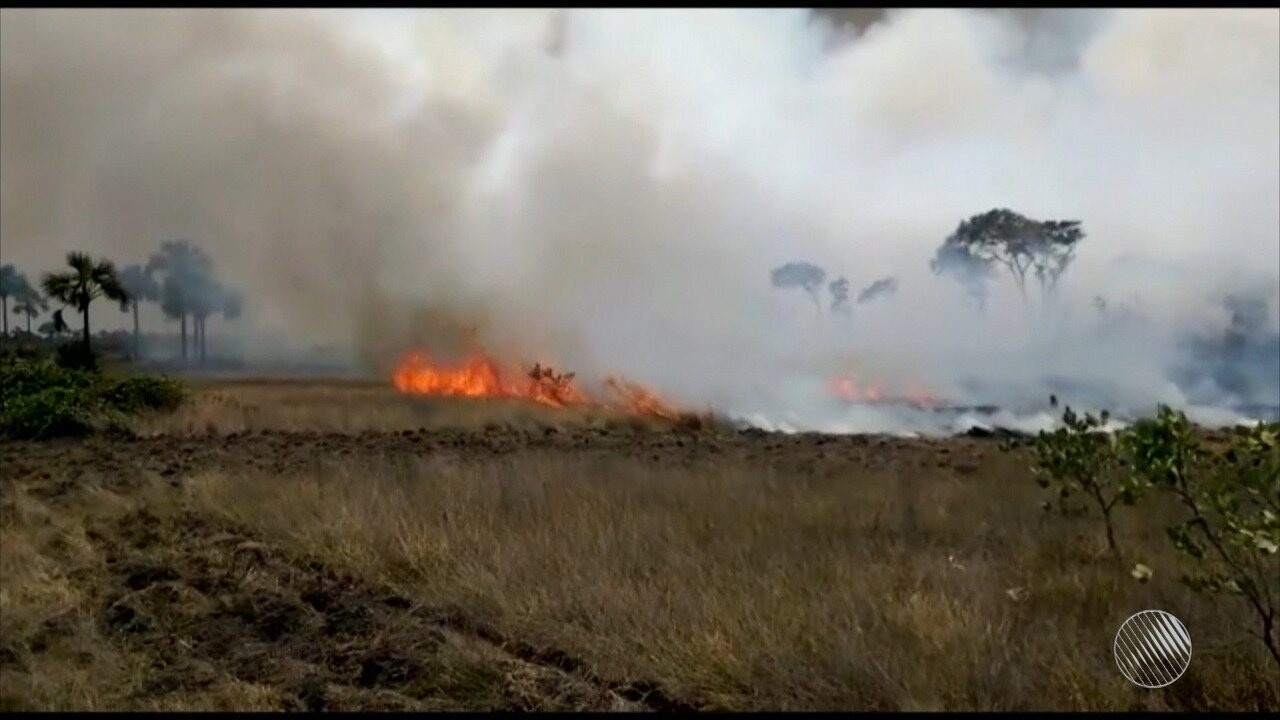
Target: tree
x,y
1018,243
806,276
839,289
232,305
12,284
1057,249
882,287
184,266
86,281
141,285
206,296
29,303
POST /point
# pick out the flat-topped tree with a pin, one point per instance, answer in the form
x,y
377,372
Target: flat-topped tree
x,y
87,280
806,276
1020,244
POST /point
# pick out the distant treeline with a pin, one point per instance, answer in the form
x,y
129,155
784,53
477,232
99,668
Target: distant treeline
x,y
179,277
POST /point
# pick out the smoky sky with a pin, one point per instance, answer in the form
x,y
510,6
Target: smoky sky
x,y
608,190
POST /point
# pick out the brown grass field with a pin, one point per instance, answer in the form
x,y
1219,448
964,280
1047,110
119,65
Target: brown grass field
x,y
326,545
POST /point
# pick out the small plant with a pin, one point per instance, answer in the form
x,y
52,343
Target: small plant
x,y
1232,498
1081,459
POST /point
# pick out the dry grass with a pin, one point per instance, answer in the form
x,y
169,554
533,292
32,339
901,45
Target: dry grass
x,y
762,589
63,645
51,619
349,407
739,574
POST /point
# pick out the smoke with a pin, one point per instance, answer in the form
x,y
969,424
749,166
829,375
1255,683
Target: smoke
x,y
609,190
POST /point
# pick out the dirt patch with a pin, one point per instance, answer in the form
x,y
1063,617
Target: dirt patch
x,y
55,467
204,602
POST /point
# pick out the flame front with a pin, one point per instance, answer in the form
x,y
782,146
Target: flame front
x,y
873,393
476,377
480,376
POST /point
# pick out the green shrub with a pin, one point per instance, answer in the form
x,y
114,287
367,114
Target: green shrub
x,y
22,377
53,411
137,394
1230,530
1081,460
40,399
1231,499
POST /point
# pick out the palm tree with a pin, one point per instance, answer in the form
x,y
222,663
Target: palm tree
x,y
86,281
207,296
12,284
139,283
29,303
185,266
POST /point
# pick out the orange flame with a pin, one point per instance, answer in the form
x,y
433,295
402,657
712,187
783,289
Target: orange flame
x,y
638,399
873,393
480,376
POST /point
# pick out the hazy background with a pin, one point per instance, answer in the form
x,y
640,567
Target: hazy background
x,y
608,190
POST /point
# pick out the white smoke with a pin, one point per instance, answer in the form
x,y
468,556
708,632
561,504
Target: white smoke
x,y
609,189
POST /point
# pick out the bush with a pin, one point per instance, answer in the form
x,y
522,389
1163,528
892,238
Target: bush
x,y
41,399
1230,530
1231,499
1081,460
21,377
137,394
53,411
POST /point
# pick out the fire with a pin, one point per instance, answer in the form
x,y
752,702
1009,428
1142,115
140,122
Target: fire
x,y
640,400
849,389
478,375
873,393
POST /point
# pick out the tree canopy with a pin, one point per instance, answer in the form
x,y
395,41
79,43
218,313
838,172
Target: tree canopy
x,y
803,275
883,287
1018,243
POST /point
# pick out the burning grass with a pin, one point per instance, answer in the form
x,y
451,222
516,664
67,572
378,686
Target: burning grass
x,y
353,407
480,376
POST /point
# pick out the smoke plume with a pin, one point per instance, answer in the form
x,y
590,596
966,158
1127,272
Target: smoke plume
x,y
608,191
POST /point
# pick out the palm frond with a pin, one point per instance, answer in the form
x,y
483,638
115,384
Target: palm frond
x,y
60,287
80,262
107,280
